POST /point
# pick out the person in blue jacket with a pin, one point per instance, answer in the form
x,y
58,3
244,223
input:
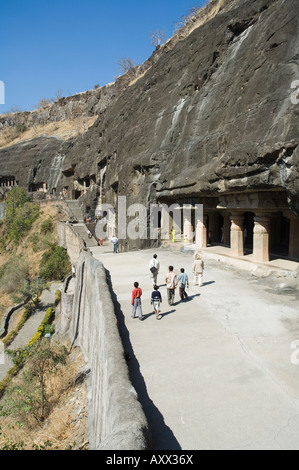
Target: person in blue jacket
x,y
156,300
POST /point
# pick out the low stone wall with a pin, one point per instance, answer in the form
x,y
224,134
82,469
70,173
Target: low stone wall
x,y
68,238
5,321
116,418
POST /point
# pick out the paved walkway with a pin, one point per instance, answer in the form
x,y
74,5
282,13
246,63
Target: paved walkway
x,y
30,327
215,372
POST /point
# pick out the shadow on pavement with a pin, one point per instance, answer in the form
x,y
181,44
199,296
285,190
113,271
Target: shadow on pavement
x,y
162,436
190,297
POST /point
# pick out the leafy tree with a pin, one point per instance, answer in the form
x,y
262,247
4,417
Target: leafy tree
x,y
46,227
31,396
20,215
15,198
28,293
55,263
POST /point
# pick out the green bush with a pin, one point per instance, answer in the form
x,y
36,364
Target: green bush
x,y
55,264
46,227
20,215
48,318
21,127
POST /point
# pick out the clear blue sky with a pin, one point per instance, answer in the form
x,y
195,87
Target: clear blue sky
x,y
71,45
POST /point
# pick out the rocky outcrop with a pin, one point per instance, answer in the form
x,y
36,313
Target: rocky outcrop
x,y
212,114
34,163
89,103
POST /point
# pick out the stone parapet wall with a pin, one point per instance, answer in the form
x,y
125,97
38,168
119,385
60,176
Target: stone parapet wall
x,y
68,238
116,419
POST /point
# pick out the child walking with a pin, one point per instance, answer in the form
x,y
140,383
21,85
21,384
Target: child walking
x,y
136,301
156,300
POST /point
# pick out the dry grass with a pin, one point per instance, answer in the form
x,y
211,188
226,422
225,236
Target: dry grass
x,y
25,249
207,14
5,303
61,129
66,426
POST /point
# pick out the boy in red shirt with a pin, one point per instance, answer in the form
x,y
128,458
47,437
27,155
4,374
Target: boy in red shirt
x,y
136,301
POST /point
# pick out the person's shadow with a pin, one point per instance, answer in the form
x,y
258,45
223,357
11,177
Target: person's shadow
x,y
189,298
162,435
207,283
162,314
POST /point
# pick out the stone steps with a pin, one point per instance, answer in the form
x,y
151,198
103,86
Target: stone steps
x,y
75,209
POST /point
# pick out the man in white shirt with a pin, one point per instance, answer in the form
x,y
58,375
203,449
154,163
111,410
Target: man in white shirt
x,y
154,267
114,240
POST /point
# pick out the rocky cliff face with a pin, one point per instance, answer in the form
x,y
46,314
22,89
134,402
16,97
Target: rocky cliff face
x,y
211,115
214,114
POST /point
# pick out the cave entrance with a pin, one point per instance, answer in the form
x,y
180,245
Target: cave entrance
x,y
279,235
76,194
248,232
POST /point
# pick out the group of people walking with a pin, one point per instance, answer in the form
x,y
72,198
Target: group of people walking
x,y
172,282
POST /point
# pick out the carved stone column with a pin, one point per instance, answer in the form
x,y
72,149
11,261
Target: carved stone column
x,y
236,234
201,232
261,238
188,230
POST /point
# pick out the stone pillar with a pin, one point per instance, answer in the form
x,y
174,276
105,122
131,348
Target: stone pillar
x,y
188,230
201,232
236,235
294,238
261,238
170,224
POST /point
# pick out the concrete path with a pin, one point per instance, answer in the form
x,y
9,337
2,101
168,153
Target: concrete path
x,y
216,371
30,327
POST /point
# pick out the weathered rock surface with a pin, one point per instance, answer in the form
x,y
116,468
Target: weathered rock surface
x,y
35,162
213,114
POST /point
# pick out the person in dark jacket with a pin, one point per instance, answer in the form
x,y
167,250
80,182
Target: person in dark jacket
x,y
156,300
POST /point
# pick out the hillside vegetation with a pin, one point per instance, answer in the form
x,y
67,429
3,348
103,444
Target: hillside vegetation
x,y
42,404
28,249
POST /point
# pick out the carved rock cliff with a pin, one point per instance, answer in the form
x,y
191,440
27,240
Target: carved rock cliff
x,y
210,115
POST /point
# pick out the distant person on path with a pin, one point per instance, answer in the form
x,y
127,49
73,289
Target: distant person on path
x,y
156,300
171,284
136,301
183,282
114,240
154,267
197,268
73,271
